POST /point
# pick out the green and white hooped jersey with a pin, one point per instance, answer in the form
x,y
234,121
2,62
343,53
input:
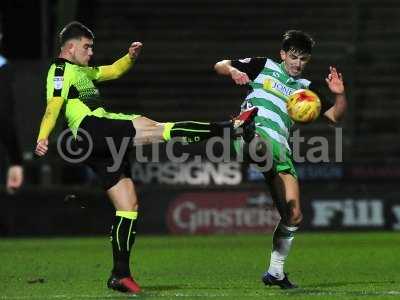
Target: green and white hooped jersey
x,y
270,92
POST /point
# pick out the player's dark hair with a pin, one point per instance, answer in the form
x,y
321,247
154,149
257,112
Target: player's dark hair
x,y
74,30
297,41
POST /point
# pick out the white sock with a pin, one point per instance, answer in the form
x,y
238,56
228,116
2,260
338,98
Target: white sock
x,y
281,243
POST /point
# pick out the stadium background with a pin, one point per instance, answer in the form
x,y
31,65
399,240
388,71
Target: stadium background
x,y
174,80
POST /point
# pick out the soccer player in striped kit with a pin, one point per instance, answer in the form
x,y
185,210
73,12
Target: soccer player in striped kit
x,y
269,85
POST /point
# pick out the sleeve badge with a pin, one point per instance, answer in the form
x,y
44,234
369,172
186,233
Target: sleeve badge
x,y
58,82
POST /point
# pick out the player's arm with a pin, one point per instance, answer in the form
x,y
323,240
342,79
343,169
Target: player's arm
x,y
241,71
336,86
224,67
122,65
58,85
49,120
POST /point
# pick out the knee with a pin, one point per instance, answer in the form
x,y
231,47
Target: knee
x,y
145,126
148,131
295,217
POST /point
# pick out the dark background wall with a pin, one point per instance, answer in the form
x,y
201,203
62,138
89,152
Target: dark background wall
x,y
174,78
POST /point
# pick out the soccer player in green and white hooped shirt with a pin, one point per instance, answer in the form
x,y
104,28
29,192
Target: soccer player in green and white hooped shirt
x,y
270,83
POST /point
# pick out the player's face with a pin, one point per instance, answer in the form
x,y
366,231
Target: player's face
x,y
82,51
294,62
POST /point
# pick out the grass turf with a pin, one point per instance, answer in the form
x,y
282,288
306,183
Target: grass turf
x,y
325,265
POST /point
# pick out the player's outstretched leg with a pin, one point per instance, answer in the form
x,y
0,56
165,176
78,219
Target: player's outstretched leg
x,y
193,132
148,131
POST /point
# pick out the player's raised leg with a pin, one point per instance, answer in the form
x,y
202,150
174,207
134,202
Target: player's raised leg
x,y
285,192
149,131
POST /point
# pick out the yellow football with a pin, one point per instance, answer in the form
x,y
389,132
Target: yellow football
x,y
303,106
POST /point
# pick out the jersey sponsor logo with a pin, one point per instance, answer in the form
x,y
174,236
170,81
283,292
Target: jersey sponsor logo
x,y
276,86
58,82
89,94
245,60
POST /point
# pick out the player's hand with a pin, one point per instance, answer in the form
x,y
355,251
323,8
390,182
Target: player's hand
x,y
239,77
135,49
15,177
335,81
42,147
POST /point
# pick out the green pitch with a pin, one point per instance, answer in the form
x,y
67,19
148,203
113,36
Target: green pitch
x,y
325,265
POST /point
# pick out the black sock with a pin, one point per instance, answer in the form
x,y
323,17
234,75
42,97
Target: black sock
x,y
123,233
193,132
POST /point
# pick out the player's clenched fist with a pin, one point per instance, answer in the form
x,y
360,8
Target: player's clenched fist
x,y
42,147
239,77
135,49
